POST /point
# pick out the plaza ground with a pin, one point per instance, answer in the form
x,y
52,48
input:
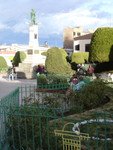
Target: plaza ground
x,y
6,86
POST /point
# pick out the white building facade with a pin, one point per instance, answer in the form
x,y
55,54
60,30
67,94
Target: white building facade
x,y
82,43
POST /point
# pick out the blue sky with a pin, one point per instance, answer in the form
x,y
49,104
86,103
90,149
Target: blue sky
x,y
52,16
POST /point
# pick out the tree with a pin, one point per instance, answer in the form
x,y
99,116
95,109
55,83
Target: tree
x,y
18,58
56,61
102,45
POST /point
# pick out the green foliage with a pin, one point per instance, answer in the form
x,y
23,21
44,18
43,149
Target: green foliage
x,y
102,45
10,58
19,58
79,57
104,67
41,79
91,96
44,53
52,78
3,63
56,61
57,78
53,101
29,127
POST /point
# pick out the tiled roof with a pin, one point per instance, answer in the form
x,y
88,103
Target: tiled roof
x,y
7,52
84,37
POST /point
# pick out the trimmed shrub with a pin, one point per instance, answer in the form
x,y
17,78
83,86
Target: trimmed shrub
x,y
52,78
3,63
56,62
91,96
57,78
103,67
44,53
79,57
19,58
41,79
102,45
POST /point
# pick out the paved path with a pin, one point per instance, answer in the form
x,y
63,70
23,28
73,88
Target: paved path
x,y
7,86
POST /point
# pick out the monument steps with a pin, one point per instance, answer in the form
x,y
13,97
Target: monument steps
x,y
25,69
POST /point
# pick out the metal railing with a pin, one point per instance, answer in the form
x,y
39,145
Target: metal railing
x,y
27,122
7,102
60,86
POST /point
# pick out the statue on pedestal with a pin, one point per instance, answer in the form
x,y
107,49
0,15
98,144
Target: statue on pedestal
x,y
33,17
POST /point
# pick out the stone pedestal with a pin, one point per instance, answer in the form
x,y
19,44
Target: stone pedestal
x,y
25,70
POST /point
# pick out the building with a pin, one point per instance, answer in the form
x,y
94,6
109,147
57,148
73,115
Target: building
x,y
82,43
71,36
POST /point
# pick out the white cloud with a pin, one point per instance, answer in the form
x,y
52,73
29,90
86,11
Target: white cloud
x,y
80,17
21,27
3,26
54,15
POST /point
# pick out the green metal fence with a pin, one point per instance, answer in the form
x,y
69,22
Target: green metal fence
x,y
29,95
11,100
31,125
99,127
60,86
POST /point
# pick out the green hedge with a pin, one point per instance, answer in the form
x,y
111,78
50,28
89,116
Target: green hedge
x,y
44,53
79,57
104,67
52,79
56,62
19,58
42,79
102,45
3,63
58,78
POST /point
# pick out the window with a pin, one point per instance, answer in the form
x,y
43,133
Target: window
x,y
77,47
74,33
35,36
29,51
87,47
78,34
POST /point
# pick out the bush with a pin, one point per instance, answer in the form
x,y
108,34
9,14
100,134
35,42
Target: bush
x,y
57,78
56,62
102,45
44,53
52,79
3,63
79,57
103,67
41,79
29,126
19,58
91,96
